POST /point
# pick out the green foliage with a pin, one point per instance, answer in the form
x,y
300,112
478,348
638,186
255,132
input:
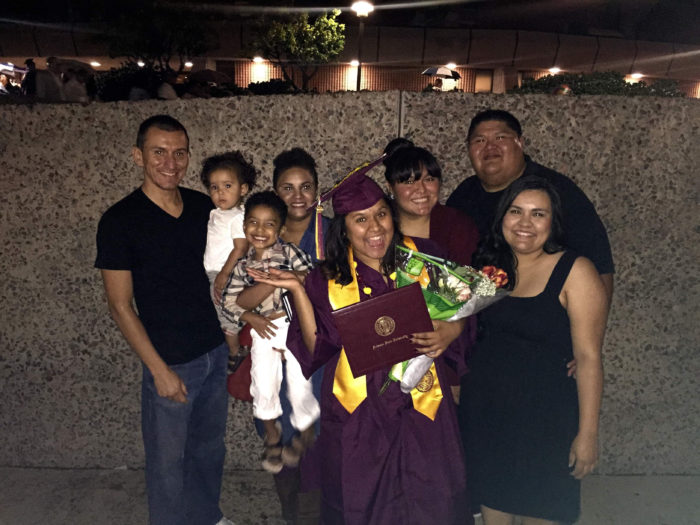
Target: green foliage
x,y
116,83
608,83
299,43
157,35
276,86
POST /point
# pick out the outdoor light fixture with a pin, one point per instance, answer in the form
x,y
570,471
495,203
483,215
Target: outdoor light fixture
x,y
188,64
354,63
257,59
451,65
554,70
140,63
636,76
362,8
95,63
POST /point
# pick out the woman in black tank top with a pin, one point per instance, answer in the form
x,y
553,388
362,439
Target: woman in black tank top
x,y
531,432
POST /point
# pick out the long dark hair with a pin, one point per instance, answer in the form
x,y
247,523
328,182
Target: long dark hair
x,y
495,251
336,265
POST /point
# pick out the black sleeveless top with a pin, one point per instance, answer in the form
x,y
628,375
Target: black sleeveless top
x,y
521,408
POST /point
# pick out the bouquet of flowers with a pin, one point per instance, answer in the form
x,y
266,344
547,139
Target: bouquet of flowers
x,y
451,292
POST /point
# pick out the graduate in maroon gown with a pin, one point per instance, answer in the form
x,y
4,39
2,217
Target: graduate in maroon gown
x,y
385,458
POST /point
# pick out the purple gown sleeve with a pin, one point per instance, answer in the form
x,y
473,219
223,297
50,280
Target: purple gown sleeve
x,y
327,338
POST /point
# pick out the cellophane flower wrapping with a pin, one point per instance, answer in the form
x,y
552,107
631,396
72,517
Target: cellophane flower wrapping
x,y
451,292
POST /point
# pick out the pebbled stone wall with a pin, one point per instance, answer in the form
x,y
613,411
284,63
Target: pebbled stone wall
x,y
69,385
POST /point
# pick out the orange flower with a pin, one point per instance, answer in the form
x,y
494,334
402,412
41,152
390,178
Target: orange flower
x,y
498,276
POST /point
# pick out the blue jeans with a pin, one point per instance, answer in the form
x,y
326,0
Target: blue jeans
x,y
184,443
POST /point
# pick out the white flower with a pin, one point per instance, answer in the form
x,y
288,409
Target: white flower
x,y
485,287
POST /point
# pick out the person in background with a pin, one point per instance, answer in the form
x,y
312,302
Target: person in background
x,y
150,247
496,150
532,431
74,86
28,86
49,86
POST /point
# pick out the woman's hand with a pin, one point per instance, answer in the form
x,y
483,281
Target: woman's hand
x,y
279,278
433,344
583,456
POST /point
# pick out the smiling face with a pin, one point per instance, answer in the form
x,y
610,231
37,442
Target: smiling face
x,y
297,189
369,232
164,159
496,154
225,189
417,197
527,223
262,226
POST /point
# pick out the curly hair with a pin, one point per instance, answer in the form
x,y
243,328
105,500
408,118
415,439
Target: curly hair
x,y
233,161
293,158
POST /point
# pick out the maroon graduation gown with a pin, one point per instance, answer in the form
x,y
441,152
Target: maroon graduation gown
x,y
385,463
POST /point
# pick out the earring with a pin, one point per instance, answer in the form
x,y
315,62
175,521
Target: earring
x,y
391,196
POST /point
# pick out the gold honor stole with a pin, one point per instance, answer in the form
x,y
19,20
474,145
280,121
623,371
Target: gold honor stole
x,y
352,391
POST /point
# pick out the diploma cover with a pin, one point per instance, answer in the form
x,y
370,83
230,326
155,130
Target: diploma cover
x,y
376,333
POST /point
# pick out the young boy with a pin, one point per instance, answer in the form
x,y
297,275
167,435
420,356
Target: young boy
x,y
228,177
265,214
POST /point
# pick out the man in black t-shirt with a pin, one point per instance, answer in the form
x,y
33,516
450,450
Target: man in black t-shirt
x,y
495,145
150,247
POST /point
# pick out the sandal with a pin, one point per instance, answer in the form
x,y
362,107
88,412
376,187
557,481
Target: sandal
x,y
292,453
272,453
272,458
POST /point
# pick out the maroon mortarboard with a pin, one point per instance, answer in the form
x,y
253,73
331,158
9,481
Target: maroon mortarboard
x,y
356,191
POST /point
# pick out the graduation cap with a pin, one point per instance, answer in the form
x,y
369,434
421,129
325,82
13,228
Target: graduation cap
x,y
356,191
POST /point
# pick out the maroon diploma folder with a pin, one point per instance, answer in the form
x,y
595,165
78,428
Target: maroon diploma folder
x,y
376,333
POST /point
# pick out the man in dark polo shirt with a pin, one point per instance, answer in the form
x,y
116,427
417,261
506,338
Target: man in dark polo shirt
x,y
150,247
495,145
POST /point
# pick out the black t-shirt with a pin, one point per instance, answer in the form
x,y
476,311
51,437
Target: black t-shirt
x,y
583,228
164,255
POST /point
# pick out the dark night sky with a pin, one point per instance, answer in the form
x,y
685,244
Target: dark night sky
x,y
656,20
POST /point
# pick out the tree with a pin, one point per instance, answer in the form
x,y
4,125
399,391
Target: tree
x,y
297,43
157,35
